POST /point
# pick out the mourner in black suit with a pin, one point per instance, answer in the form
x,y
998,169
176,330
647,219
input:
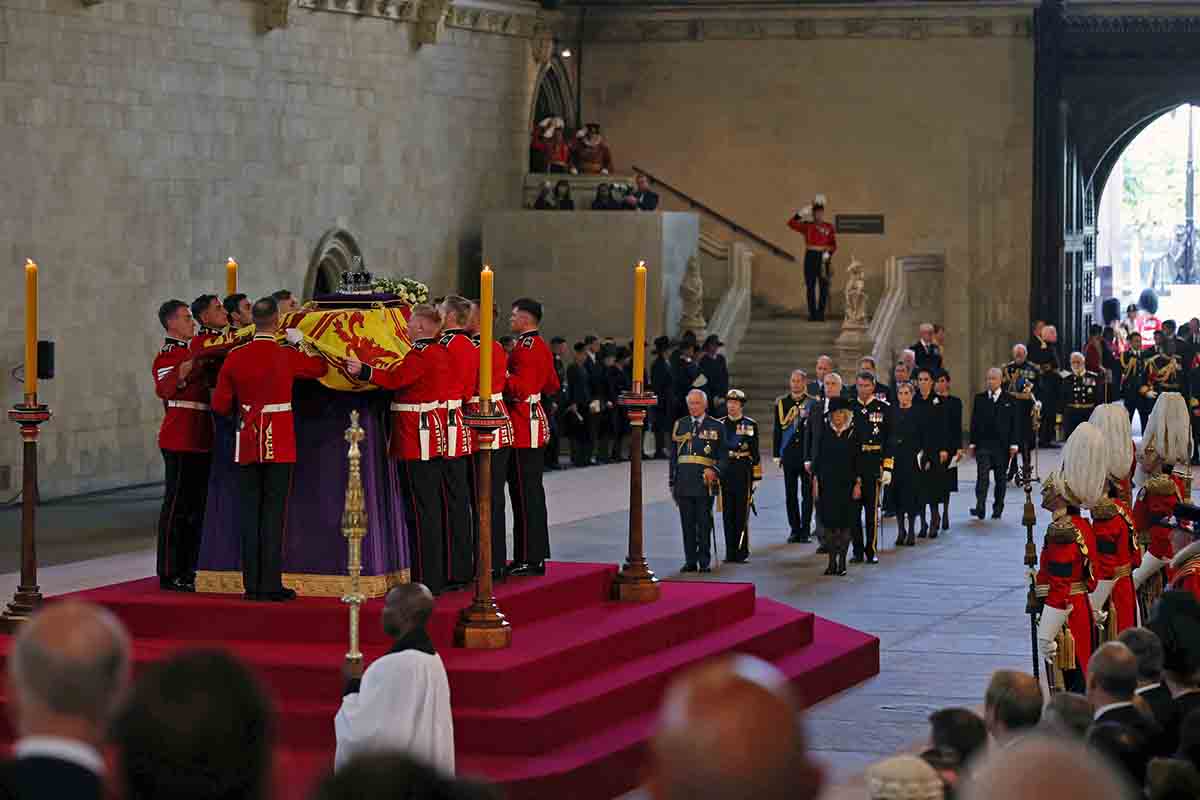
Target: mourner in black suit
x,y
698,457
739,478
954,433
937,457
660,384
929,355
578,401
993,441
1111,683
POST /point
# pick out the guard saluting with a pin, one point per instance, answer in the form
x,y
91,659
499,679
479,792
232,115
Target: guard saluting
x,y
698,457
794,412
256,381
820,239
737,482
185,439
873,421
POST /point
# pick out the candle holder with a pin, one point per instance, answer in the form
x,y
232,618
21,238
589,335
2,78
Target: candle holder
x,y
354,528
481,625
636,583
29,415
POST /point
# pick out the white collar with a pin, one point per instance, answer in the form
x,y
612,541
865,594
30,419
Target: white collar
x,y
994,395
1102,710
72,751
1148,687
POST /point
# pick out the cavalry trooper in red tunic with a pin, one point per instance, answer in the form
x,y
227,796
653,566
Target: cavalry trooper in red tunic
x,y
463,360
502,441
820,240
185,439
531,377
1117,551
1165,443
1065,574
418,440
1186,563
256,382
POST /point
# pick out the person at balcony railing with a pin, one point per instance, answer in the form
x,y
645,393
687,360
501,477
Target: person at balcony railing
x,y
548,149
589,152
641,198
820,244
604,199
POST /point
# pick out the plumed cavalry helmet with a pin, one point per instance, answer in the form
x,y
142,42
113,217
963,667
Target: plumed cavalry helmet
x,y
1112,420
1082,477
1168,435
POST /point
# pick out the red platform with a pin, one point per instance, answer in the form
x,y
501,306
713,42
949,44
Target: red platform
x,y
564,712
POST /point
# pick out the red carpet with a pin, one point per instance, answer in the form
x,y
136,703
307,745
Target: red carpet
x,y
563,713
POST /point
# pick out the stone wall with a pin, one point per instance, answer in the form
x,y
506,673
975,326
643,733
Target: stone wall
x,y
142,143
926,119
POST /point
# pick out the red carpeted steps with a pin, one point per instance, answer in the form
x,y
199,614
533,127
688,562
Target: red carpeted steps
x,y
565,711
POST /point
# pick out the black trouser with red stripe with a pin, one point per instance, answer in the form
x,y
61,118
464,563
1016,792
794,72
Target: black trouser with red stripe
x,y
459,525
531,535
425,509
182,516
262,515
500,460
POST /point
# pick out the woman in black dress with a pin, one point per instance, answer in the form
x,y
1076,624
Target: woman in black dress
x,y
908,434
937,456
835,481
954,410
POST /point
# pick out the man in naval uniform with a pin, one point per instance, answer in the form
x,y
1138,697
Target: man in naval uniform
x,y
698,457
1082,390
1019,379
872,420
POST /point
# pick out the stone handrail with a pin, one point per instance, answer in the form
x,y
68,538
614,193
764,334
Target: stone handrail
x,y
732,315
886,314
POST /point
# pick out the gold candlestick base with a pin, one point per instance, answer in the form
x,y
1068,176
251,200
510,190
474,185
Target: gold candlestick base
x,y
636,583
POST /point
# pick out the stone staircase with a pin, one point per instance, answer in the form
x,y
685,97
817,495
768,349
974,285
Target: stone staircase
x,y
772,347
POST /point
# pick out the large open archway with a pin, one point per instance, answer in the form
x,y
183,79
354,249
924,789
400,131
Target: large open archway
x,y
334,254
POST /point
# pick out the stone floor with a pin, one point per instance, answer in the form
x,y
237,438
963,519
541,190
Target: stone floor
x,y
948,612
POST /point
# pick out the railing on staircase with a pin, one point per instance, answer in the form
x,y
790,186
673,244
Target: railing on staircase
x,y
738,229
732,315
886,314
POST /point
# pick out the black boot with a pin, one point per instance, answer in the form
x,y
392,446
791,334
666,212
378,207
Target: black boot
x,y
901,536
935,518
832,568
842,563
924,534
912,526
946,515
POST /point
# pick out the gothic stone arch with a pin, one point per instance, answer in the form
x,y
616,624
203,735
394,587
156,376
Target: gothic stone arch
x,y
334,255
553,95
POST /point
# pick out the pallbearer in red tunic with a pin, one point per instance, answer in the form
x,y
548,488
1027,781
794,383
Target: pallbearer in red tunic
x,y
820,243
1186,563
463,382
421,382
185,439
531,376
255,382
1166,441
502,444
1065,575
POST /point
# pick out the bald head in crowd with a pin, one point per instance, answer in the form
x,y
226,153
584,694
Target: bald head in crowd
x,y
67,672
1041,767
731,729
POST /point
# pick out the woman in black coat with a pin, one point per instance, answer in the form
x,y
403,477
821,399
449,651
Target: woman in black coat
x,y
836,485
909,433
937,455
954,414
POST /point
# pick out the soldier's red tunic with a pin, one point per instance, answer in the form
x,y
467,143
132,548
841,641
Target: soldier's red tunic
x,y
1187,570
1117,555
504,434
1065,578
256,381
1156,502
463,383
421,381
187,424
817,235
531,376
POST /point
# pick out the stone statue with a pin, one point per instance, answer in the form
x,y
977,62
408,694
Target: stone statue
x,y
856,297
691,290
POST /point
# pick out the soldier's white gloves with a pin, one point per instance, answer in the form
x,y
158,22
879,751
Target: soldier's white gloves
x,y
886,478
1051,623
825,257
603,172
294,335
1149,567
1100,597
1037,404
805,213
776,460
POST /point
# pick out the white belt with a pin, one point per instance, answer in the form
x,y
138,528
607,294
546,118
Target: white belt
x,y
533,398
275,408
496,398
453,404
420,408
189,404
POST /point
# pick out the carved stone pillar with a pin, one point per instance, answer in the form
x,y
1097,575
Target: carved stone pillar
x,y
691,291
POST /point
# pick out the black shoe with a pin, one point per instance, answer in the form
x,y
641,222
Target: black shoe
x,y
530,568
933,533
856,560
996,513
177,585
689,568
946,521
281,596
822,549
872,559
924,534
706,569
841,569
977,512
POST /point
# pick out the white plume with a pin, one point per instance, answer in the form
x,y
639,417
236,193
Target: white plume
x,y
1085,465
1113,422
1168,435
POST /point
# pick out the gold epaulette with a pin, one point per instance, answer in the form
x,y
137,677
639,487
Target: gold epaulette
x,y
1061,531
1160,485
1105,509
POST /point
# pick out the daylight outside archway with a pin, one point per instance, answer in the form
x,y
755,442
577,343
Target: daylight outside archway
x,y
1145,226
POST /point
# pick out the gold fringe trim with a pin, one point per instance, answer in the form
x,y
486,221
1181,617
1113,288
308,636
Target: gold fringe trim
x,y
1151,590
1066,649
305,585
1110,633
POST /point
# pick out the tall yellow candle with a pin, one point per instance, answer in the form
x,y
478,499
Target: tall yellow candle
x,y
231,277
486,301
31,328
639,322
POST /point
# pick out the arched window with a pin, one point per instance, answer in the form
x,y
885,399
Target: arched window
x,y
554,96
334,255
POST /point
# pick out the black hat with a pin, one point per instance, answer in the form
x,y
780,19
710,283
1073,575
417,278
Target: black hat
x,y
1111,310
713,339
1148,301
662,344
735,394
838,403
1131,307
